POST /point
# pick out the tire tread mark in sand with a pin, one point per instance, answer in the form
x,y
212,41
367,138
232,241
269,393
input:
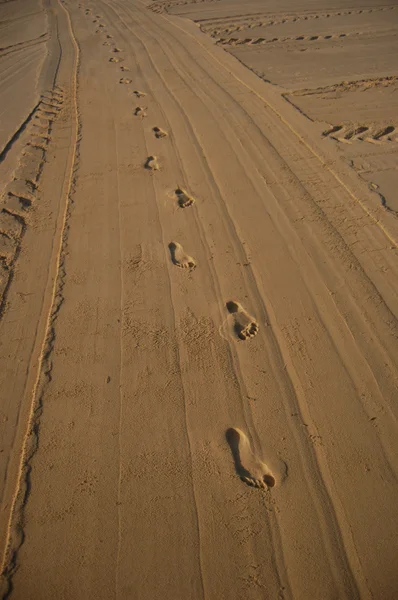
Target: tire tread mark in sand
x,y
248,466
262,40
369,133
325,491
193,134
15,530
23,45
224,209
22,191
214,27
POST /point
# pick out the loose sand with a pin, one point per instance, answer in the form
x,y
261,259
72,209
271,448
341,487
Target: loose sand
x,y
198,300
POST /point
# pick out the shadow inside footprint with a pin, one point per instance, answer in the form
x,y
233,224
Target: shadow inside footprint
x,y
183,198
244,324
249,468
151,163
180,258
159,133
140,112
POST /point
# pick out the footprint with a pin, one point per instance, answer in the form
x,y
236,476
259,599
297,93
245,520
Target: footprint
x,y
179,258
245,325
117,50
248,466
139,94
152,163
140,112
106,43
109,36
183,198
115,59
124,80
124,69
160,133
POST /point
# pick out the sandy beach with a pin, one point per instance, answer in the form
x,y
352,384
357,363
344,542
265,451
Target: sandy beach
x,y
198,300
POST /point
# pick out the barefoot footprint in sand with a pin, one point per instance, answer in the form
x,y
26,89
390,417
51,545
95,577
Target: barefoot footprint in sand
x,y
245,325
248,466
152,163
140,112
184,199
180,258
139,94
124,80
159,133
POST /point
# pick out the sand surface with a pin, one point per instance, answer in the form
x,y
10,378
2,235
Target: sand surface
x,y
198,300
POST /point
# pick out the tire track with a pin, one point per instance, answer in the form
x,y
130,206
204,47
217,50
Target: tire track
x,y
238,248
15,532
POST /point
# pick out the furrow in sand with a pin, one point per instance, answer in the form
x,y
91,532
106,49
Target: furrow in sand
x,y
17,133
369,287
15,532
227,219
157,231
185,70
212,284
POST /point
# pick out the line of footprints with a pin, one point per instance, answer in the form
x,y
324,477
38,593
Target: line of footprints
x,y
248,466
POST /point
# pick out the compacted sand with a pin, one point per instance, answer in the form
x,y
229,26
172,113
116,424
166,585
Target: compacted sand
x,y
198,300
